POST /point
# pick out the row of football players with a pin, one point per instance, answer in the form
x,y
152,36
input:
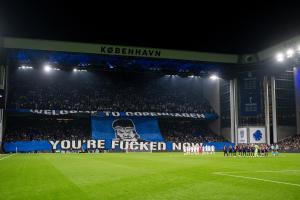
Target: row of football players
x,y
251,150
199,149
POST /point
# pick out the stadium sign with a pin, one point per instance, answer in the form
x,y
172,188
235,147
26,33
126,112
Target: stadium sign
x,y
205,116
118,145
130,51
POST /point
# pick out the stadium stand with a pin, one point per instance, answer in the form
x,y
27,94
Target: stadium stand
x,y
187,131
110,93
290,143
113,91
46,128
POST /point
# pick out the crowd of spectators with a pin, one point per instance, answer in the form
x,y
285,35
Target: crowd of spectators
x,y
188,131
62,90
59,90
29,129
290,143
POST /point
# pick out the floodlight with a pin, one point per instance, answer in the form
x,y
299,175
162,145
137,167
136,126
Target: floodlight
x,y
290,53
47,68
214,77
280,57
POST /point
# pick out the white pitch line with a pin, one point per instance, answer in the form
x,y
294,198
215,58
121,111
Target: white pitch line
x,y
6,157
264,171
280,171
258,179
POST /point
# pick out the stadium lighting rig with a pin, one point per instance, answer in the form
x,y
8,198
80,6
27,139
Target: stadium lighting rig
x,y
214,77
79,70
25,67
48,68
288,54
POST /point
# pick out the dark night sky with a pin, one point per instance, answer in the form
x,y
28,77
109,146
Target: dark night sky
x,y
229,28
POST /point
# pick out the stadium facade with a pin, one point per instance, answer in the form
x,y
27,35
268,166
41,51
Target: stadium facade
x,y
256,99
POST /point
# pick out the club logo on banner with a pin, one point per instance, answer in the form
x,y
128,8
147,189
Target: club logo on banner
x,y
242,135
257,135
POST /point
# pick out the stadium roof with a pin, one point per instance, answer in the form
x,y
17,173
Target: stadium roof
x,y
105,49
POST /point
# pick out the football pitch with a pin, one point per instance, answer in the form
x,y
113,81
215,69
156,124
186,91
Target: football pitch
x,y
148,176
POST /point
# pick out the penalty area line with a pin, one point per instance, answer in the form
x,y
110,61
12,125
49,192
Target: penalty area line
x,y
6,157
257,179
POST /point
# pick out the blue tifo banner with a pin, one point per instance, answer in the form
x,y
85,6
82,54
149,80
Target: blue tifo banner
x,y
117,145
112,133
27,146
202,116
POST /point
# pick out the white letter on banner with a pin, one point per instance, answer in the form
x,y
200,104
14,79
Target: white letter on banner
x,y
201,116
134,145
37,111
143,146
106,113
65,144
115,143
186,144
137,114
176,146
153,114
193,145
128,113
124,145
145,114
54,144
161,146
47,112
63,112
177,115
193,115
115,114
91,144
74,146
153,146
101,144
185,115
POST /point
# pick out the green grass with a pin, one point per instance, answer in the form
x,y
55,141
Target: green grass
x,y
147,176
